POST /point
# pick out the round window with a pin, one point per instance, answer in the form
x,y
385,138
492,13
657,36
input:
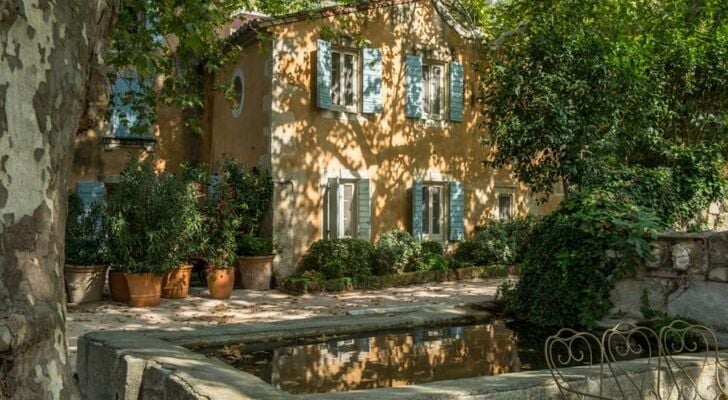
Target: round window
x,y
239,92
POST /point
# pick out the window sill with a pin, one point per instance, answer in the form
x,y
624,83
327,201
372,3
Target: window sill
x,y
433,123
140,142
340,115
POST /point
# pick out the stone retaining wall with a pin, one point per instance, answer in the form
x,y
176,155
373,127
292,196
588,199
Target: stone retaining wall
x,y
688,278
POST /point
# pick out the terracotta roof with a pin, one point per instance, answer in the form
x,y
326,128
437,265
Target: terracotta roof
x,y
245,34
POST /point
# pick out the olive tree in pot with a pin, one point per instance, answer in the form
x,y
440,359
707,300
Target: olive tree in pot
x,y
152,218
217,241
86,261
252,191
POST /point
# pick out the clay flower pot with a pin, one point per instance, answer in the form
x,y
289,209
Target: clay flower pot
x,y
256,271
220,282
176,283
84,283
118,287
145,289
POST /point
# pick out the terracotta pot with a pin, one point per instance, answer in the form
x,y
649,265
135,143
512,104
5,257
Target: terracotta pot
x,y
84,283
118,287
176,283
145,289
220,282
256,272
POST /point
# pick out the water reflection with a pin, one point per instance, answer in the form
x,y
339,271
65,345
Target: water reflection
x,y
385,360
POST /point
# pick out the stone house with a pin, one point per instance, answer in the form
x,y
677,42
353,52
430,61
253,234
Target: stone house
x,y
366,115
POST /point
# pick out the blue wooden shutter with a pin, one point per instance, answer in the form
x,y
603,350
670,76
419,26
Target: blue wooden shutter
x,y
457,211
323,74
413,80
456,91
417,209
333,209
90,192
125,119
372,85
364,200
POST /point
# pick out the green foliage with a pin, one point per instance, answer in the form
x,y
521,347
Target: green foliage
x,y
338,258
396,252
592,240
252,193
431,247
86,233
497,242
251,245
433,262
153,220
173,45
576,89
220,223
689,182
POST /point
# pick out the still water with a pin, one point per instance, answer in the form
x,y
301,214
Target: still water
x,y
385,360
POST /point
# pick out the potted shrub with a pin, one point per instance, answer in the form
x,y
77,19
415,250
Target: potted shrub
x,y
151,220
183,197
252,191
255,261
86,263
219,224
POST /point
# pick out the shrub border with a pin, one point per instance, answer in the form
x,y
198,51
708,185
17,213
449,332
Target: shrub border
x,y
298,285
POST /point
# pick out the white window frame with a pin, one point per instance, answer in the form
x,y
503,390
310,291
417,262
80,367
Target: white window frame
x,y
341,52
428,235
427,86
354,204
498,206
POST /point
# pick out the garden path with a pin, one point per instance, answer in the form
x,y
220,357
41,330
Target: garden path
x,y
264,306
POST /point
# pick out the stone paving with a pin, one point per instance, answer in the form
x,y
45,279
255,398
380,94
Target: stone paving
x,y
264,306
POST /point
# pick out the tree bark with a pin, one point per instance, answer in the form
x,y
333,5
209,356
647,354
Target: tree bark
x,y
48,53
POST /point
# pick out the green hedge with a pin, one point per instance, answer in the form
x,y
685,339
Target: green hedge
x,y
313,283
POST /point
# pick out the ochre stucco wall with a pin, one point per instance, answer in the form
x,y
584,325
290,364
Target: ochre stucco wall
x,y
247,137
392,150
174,145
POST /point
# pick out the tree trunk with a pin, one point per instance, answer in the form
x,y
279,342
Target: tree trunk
x,y
48,52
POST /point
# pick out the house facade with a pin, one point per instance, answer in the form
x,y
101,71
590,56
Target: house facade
x,y
368,118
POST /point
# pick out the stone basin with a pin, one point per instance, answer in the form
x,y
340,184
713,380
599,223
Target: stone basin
x,y
159,365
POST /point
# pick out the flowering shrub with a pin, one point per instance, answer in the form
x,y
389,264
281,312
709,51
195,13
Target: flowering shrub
x,y
219,225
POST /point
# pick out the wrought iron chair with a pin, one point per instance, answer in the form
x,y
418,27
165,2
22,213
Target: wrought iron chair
x,y
680,362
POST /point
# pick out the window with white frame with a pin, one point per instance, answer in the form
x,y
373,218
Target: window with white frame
x,y
433,211
433,83
505,206
342,217
344,80
347,210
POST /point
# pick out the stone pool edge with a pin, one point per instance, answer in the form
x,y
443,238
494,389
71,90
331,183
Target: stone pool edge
x,y
153,365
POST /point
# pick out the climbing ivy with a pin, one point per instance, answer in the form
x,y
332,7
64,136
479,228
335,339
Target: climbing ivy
x,y
595,238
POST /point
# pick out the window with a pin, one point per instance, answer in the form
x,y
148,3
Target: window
x,y
432,211
433,82
505,206
347,210
344,80
129,108
238,86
